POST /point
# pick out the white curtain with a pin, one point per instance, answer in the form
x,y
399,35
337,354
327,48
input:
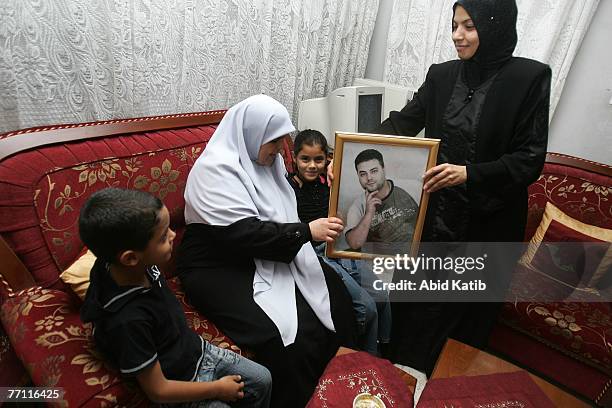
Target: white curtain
x,y
549,31
66,61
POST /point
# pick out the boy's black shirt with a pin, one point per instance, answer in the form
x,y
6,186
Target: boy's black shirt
x,y
136,326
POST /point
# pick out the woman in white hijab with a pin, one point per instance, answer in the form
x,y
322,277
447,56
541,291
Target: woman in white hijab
x,y
246,261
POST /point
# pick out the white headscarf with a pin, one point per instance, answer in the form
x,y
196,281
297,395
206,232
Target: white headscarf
x,y
226,185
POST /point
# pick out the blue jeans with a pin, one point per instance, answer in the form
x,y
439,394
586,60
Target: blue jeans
x,y
372,308
217,363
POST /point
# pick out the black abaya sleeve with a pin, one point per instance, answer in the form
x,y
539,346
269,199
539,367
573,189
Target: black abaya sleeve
x,y
523,164
411,119
251,237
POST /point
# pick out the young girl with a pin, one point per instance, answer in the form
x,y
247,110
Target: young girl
x,y
312,194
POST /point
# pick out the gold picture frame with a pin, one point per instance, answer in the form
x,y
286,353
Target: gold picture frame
x,y
399,176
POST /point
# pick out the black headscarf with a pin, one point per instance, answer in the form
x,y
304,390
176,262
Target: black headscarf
x,y
495,22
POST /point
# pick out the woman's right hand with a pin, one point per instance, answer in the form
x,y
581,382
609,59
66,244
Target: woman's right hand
x,y
326,229
230,388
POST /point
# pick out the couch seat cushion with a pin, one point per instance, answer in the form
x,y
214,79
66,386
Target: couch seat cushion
x,y
56,348
577,329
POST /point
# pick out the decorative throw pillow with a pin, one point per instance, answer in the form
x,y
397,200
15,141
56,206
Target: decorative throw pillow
x,y
570,252
77,274
359,377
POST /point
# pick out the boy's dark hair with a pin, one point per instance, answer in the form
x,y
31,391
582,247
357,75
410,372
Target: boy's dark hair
x,y
369,154
309,137
115,220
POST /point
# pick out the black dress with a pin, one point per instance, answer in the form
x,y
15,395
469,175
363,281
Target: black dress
x,y
501,137
498,128
216,269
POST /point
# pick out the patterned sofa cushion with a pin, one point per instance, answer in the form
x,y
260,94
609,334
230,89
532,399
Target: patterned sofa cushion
x,y
350,375
578,330
565,258
57,349
581,330
581,194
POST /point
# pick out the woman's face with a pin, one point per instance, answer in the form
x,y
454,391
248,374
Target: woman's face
x,y
465,35
269,151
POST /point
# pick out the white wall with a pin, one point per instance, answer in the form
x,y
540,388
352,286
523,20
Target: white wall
x,y
582,124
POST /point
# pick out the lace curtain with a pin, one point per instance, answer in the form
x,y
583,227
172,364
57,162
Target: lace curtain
x,y
65,61
549,31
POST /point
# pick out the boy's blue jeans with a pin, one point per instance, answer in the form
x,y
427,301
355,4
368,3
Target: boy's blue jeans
x,y
217,363
372,308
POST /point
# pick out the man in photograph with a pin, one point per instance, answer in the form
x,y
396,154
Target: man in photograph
x,y
382,219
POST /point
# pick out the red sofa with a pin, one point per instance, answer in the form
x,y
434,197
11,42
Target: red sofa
x,y
46,174
568,343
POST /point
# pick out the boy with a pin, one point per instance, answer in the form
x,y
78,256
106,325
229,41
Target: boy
x,y
139,325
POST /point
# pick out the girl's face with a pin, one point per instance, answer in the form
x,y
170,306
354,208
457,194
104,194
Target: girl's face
x,y
310,162
269,151
465,35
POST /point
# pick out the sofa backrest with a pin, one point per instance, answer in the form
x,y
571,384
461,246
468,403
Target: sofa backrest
x,y
46,174
44,185
580,188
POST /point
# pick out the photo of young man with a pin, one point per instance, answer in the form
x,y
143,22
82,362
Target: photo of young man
x,y
381,220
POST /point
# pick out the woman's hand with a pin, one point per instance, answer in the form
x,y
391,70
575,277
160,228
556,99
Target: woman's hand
x,y
326,229
444,175
330,173
230,388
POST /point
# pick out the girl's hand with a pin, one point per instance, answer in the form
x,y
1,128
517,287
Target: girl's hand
x,y
444,175
326,229
230,388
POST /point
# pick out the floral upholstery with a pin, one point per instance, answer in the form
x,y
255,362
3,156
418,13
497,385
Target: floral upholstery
x,y
43,189
41,192
580,194
578,330
58,350
582,330
42,201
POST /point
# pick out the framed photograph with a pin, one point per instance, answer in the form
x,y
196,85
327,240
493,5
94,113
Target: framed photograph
x,y
378,193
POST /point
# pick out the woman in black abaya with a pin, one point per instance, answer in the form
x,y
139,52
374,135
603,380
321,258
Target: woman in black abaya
x,y
246,261
490,111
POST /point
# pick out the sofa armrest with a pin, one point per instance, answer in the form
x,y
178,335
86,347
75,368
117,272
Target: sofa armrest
x,y
14,276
